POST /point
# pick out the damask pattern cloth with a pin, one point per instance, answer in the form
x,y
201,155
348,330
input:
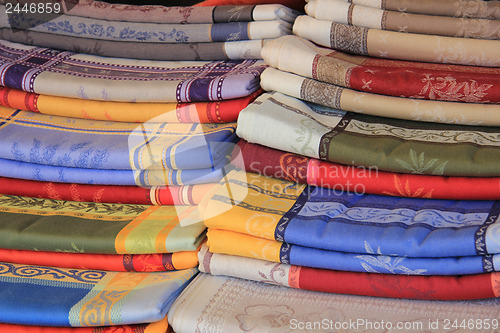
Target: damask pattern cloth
x,y
294,4
48,296
154,262
418,80
180,14
160,326
80,227
384,144
479,286
145,32
345,99
80,143
244,245
156,195
224,304
233,50
326,219
68,74
343,12
198,112
304,170
398,45
454,8
145,178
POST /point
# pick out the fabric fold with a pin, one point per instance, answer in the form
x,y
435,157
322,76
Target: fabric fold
x,y
304,170
416,80
364,284
372,18
54,72
61,297
83,227
321,218
348,138
398,45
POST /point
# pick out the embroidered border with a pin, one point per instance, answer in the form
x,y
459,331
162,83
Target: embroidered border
x,y
487,261
285,251
480,236
279,232
350,39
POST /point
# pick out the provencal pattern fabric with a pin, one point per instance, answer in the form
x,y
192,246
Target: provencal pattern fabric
x,y
61,297
80,143
401,146
453,83
53,72
398,45
304,170
224,304
81,227
199,112
233,243
321,218
154,262
146,32
156,195
342,12
366,284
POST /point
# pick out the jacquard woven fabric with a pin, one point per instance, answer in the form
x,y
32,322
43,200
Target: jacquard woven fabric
x,y
365,224
180,14
416,80
160,326
384,144
76,26
48,296
398,45
454,8
82,227
145,178
343,12
304,170
154,262
232,50
66,74
224,304
80,143
365,284
156,195
238,244
199,112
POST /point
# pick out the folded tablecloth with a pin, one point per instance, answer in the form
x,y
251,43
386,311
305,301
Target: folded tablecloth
x,y
343,12
63,73
82,227
366,284
333,220
398,45
47,296
384,144
417,80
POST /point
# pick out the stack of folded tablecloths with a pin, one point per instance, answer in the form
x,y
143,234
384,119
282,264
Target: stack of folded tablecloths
x,y
152,32
361,175
103,159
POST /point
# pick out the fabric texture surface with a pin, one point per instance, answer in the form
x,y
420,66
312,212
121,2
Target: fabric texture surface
x,y
365,284
66,74
326,219
155,262
349,138
416,80
304,170
61,297
398,45
80,143
156,195
80,227
198,112
226,304
342,12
